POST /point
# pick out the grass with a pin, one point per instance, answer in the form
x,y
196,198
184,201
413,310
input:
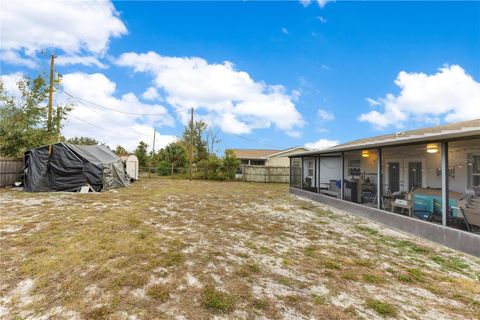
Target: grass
x,y
200,249
158,292
217,301
383,308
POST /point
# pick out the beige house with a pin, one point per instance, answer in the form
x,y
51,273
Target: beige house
x,y
267,157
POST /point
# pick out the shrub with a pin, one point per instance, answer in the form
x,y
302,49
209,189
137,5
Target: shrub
x,y
381,307
164,168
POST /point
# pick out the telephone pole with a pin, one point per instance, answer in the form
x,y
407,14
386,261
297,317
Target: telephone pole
x,y
153,151
50,95
191,146
59,114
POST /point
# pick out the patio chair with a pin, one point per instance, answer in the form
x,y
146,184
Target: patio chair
x,y
406,203
471,215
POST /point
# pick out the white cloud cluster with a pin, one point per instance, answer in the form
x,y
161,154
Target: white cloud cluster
x,y
105,125
224,96
321,3
321,144
76,27
324,115
108,126
450,95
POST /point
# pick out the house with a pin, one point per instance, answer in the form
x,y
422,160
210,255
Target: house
x,y
429,176
265,165
267,157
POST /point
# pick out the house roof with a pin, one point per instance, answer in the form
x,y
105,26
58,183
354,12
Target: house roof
x,y
262,153
464,129
254,153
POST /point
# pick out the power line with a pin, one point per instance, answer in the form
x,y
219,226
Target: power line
x,y
83,101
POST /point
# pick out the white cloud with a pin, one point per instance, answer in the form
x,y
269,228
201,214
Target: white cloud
x,y
321,3
107,126
13,57
285,30
151,94
10,83
321,144
64,60
324,115
73,27
450,94
322,19
225,96
305,3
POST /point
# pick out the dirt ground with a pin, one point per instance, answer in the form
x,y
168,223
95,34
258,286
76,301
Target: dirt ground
x,y
174,249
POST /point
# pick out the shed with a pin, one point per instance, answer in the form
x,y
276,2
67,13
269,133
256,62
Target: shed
x,y
131,165
68,167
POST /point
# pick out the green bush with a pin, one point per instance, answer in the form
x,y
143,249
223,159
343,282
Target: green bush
x,y
163,168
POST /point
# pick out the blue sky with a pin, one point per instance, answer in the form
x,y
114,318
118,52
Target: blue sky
x,y
266,74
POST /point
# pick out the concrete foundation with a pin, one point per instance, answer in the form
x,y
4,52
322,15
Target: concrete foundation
x,y
452,238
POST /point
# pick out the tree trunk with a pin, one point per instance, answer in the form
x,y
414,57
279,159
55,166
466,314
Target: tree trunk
x,y
172,170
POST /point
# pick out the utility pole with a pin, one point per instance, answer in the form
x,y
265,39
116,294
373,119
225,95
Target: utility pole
x,y
50,95
191,146
153,151
59,113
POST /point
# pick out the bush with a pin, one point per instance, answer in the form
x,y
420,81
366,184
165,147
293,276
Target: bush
x,y
163,168
230,164
210,168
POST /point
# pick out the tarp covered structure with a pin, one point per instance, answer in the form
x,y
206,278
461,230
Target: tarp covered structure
x,y
68,167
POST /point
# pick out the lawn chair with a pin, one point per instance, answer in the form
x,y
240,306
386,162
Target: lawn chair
x,y
406,203
471,215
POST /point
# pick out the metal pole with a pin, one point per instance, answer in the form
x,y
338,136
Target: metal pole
x,y
445,194
290,178
301,181
342,188
191,147
319,173
379,178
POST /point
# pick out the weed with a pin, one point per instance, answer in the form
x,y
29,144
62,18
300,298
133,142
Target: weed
x,y
366,230
331,265
99,313
453,263
158,292
217,301
383,308
318,299
371,278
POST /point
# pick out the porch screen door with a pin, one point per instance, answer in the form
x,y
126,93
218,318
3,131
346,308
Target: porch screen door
x,y
414,175
394,176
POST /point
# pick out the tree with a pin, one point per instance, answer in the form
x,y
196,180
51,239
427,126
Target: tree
x,y
230,164
200,147
23,118
141,153
175,155
120,150
82,140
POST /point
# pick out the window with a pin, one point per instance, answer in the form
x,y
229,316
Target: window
x,y
474,169
257,162
310,166
354,167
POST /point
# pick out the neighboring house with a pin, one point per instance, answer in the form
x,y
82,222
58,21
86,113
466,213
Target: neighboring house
x,y
267,157
265,165
431,174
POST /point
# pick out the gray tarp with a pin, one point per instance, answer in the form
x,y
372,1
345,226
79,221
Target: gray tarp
x,y
69,167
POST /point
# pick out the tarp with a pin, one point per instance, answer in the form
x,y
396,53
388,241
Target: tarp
x,y
69,167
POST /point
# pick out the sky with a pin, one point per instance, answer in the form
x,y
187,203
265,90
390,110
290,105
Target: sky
x,y
262,74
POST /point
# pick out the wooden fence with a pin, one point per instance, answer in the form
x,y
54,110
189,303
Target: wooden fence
x,y
264,174
10,171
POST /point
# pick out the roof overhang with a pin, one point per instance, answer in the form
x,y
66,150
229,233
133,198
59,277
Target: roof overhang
x,y
466,133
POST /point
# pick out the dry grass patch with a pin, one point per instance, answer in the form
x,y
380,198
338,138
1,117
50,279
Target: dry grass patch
x,y
163,248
